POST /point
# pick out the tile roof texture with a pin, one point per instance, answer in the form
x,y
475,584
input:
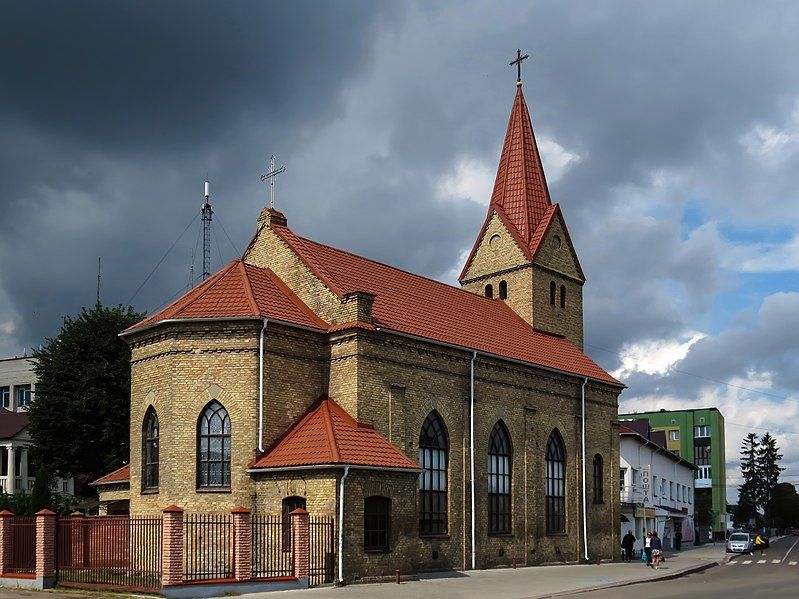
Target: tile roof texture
x,y
12,423
120,475
327,435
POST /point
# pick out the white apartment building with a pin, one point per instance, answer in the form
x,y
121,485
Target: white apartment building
x,y
657,488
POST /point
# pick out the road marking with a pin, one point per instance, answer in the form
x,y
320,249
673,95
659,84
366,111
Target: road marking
x,y
775,561
747,561
789,550
761,561
791,563
731,563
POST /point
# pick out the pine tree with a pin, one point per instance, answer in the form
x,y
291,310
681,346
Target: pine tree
x,y
749,491
768,468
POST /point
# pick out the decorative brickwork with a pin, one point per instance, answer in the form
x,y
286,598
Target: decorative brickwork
x,y
172,547
6,517
300,543
45,547
242,543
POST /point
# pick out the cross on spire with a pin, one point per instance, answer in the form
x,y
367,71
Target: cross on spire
x,y
518,63
270,176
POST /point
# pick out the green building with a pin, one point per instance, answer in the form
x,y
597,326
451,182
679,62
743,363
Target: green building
x,y
698,436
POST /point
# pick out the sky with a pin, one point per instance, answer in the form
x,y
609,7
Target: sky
x,y
669,133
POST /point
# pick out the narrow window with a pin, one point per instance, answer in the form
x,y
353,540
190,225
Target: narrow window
x,y
289,504
503,290
150,432
5,397
499,481
433,453
23,395
489,291
555,485
563,296
213,447
598,480
376,514
552,292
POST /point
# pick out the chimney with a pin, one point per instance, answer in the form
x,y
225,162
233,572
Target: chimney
x,y
357,306
270,216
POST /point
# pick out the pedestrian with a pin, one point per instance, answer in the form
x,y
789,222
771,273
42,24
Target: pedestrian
x,y
678,540
760,544
648,548
656,549
627,544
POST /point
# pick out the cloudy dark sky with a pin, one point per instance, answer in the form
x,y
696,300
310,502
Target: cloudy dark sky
x,y
670,135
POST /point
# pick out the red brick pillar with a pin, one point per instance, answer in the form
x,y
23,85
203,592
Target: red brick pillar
x,y
77,536
242,543
300,543
6,518
172,547
45,548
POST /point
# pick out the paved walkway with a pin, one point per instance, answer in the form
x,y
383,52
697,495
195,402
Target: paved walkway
x,y
523,583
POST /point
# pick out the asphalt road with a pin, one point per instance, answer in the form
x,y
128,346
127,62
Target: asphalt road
x,y
773,575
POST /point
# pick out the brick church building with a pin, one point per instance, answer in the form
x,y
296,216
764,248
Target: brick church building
x,y
441,427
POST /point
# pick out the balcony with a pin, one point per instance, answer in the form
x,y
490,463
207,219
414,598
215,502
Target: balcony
x,y
631,496
20,484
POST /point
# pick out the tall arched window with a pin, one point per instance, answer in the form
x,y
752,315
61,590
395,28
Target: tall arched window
x,y
489,291
553,290
503,290
499,463
289,504
433,452
555,484
563,296
150,432
213,447
599,491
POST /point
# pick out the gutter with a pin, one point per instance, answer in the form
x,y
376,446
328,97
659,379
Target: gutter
x,y
332,467
341,524
261,387
471,449
152,325
585,499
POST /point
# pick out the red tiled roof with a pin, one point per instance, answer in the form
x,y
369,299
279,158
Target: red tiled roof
x,y
327,435
414,305
120,475
11,423
239,290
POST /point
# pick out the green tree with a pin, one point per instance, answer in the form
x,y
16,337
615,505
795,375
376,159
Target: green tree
x,y
785,506
80,413
749,491
768,468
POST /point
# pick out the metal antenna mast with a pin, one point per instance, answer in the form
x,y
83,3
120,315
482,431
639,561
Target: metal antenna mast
x,y
98,279
207,212
271,177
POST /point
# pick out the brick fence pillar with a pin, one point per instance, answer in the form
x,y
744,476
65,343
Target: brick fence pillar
x,y
6,518
172,547
45,548
242,543
300,543
77,539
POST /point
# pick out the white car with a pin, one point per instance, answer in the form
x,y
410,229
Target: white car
x,y
740,542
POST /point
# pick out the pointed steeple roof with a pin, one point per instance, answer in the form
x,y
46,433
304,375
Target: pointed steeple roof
x,y
520,189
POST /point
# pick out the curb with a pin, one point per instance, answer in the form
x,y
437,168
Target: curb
x,y
625,583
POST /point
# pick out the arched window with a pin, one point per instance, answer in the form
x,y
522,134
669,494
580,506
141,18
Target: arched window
x,y
489,291
150,432
213,447
499,454
563,296
433,453
553,290
599,492
503,290
289,504
555,484
376,523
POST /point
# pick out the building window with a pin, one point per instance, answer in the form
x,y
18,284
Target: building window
x,y
701,431
702,455
433,452
23,395
503,290
622,474
376,516
654,486
671,490
150,432
563,296
553,289
599,495
555,485
5,397
663,487
674,435
499,480
213,447
489,291
703,472
288,505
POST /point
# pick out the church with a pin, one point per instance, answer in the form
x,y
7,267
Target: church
x,y
441,427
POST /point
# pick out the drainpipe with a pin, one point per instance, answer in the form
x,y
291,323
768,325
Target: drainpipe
x,y
261,387
471,446
585,499
341,524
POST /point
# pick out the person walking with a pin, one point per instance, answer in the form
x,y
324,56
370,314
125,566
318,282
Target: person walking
x,y
678,540
656,549
760,544
627,544
648,548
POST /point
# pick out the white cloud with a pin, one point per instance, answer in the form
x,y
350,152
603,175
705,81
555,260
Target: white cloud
x,y
470,179
771,143
654,356
557,159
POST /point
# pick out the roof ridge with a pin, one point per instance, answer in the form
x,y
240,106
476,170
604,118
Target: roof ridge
x,y
331,436
290,238
293,297
248,289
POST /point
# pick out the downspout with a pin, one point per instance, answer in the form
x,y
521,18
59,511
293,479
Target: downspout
x,y
341,524
585,499
471,447
261,387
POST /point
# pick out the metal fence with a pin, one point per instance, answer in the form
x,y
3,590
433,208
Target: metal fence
x,y
271,546
322,543
207,547
23,545
122,552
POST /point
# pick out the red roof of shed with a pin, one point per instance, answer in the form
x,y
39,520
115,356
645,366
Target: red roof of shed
x,y
120,475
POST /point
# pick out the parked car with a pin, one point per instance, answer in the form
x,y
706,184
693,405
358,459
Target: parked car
x,y
795,532
740,542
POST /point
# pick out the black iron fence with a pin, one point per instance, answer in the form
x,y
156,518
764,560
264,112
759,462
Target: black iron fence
x,y
271,547
207,547
23,545
322,550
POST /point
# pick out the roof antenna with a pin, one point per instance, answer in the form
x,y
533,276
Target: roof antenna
x,y
207,211
271,177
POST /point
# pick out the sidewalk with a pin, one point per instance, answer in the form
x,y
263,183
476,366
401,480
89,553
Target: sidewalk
x,y
523,583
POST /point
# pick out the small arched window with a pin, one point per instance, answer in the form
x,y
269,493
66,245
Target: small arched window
x,y
489,291
599,492
376,523
553,290
288,505
563,296
213,447
150,434
499,481
503,290
433,481
555,507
